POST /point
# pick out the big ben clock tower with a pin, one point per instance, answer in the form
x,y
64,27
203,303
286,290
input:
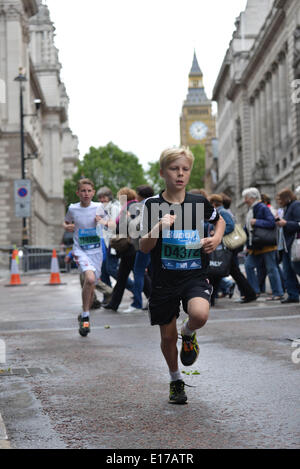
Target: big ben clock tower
x,y
197,124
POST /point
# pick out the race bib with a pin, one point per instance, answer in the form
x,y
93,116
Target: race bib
x,y
181,250
88,239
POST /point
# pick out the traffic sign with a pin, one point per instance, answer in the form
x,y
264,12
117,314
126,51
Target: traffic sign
x,y
22,198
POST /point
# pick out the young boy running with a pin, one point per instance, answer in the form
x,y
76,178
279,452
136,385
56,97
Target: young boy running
x,y
173,231
81,218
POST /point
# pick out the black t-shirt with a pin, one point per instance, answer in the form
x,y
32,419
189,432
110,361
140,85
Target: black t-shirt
x,y
178,256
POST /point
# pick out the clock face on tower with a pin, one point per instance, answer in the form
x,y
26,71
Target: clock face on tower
x,y
198,130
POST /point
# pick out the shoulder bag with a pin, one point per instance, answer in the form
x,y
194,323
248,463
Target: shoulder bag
x,y
219,262
295,249
263,237
120,243
236,238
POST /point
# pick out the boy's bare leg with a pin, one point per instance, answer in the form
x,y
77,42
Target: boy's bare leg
x,y
198,312
88,290
169,336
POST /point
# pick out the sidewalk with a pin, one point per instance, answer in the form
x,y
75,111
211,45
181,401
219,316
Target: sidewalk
x,y
4,442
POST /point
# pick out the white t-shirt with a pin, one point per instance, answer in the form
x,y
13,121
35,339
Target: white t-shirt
x,y
86,237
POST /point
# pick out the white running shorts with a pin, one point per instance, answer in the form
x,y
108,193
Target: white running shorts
x,y
91,261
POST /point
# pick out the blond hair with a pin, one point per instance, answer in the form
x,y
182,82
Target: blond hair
x,y
171,154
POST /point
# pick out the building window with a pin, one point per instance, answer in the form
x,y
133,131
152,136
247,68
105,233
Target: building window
x,y
277,168
291,156
284,163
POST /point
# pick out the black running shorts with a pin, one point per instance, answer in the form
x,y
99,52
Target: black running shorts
x,y
164,303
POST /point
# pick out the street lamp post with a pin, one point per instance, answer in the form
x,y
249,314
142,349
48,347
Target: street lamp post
x,y
21,78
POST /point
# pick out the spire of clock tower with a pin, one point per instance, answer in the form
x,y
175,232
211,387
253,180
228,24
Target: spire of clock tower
x,y
196,93
195,70
197,124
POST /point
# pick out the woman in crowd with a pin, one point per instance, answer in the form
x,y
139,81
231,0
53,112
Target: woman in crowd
x,y
289,225
126,197
142,280
247,292
259,215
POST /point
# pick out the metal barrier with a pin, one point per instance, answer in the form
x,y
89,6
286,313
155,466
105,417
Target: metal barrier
x,y
33,258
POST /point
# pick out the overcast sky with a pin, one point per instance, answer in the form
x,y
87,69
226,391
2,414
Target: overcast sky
x,y
126,65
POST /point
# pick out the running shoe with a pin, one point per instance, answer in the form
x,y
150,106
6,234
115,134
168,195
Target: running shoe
x,y
177,394
84,326
189,349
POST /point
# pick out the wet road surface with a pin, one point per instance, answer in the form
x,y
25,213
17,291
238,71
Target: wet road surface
x,y
110,390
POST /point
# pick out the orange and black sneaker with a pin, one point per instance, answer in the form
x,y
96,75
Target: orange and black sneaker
x,y
84,325
177,394
189,349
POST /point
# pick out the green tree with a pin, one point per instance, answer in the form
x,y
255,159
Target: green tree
x,y
198,173
154,178
106,166
197,176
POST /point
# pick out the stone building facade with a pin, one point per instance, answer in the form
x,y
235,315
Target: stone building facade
x,y
51,149
258,102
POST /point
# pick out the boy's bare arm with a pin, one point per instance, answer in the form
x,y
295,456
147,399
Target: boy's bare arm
x,y
70,227
148,242
210,244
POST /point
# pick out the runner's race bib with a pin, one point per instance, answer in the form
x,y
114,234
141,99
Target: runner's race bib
x,y
88,239
181,250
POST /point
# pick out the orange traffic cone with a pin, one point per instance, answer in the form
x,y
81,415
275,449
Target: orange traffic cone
x,y
55,275
15,280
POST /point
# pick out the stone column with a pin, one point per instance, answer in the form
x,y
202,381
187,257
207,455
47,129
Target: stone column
x,y
288,95
257,126
269,111
263,117
283,98
276,111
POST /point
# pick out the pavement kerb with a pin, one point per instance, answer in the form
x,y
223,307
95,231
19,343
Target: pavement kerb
x,y
4,442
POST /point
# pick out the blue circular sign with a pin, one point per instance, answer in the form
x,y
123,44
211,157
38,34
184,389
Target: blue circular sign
x,y
22,192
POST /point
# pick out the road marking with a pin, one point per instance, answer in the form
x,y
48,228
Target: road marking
x,y
128,326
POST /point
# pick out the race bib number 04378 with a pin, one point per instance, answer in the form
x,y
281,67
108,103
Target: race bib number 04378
x,y
181,250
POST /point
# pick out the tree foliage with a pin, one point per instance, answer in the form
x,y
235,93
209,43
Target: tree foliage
x,y
154,178
106,166
198,173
